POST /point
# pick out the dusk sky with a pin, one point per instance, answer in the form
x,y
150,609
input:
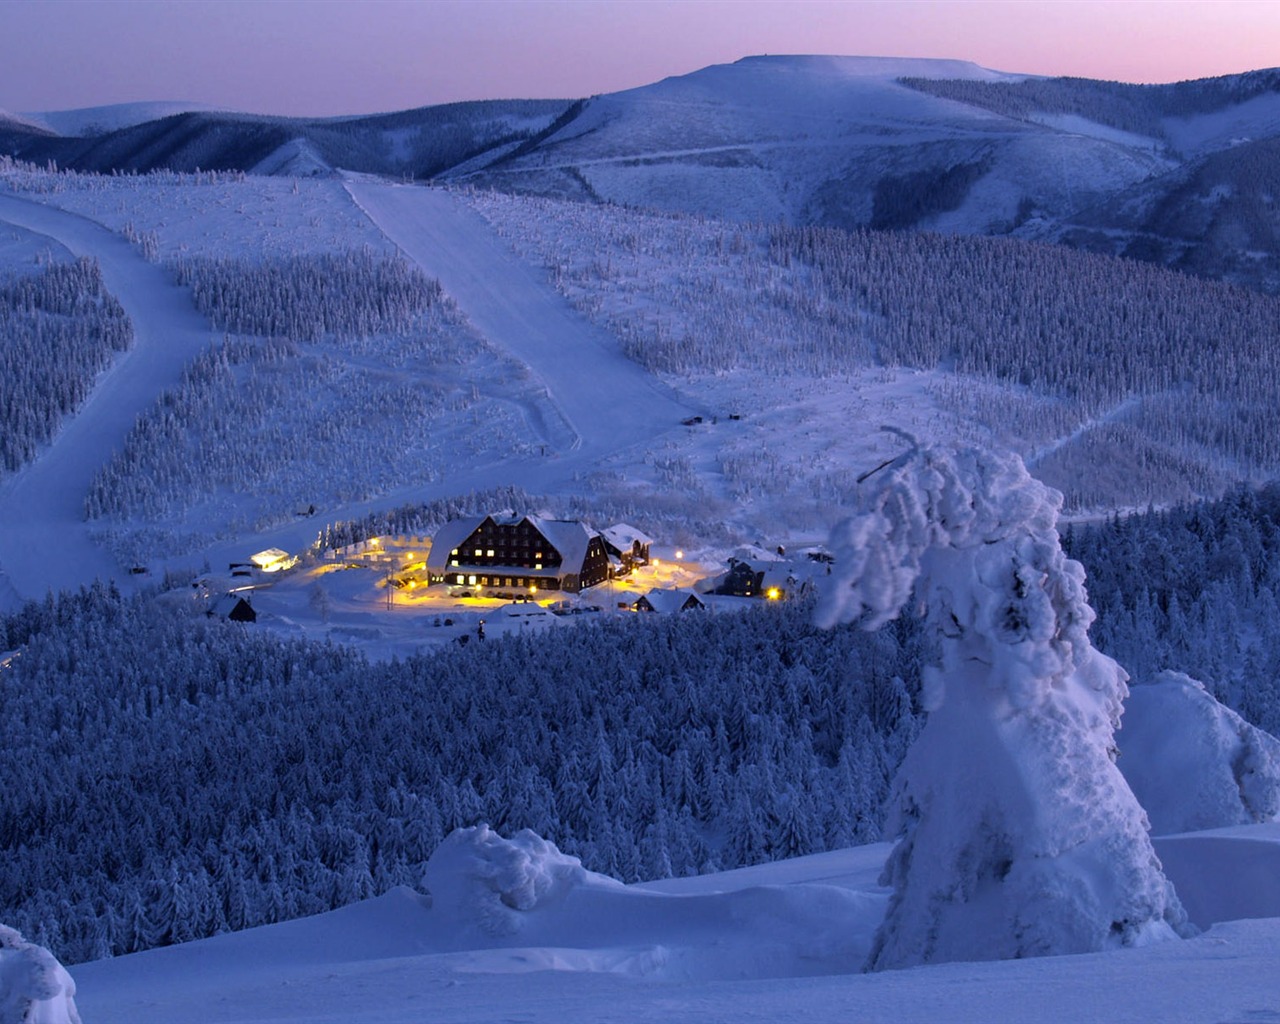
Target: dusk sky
x,y
315,58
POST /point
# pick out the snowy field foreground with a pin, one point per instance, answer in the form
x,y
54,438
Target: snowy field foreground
x,y
516,931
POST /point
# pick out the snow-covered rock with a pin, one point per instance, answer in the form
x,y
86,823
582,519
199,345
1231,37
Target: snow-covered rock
x,y
1194,763
34,987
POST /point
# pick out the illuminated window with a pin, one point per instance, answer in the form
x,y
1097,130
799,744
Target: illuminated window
x,y
477,552
472,580
460,578
455,561
454,551
538,566
488,553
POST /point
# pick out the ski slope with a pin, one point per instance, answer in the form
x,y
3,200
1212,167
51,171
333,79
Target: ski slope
x,y
45,543
606,401
775,943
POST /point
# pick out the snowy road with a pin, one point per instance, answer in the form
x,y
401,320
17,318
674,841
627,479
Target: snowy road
x,y
45,543
605,399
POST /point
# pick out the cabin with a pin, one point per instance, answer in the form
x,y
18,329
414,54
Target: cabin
x,y
273,560
742,580
626,545
669,602
233,608
505,553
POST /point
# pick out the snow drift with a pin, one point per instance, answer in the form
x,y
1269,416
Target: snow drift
x,y
1020,837
1194,763
490,893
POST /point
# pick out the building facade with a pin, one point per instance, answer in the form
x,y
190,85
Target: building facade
x,y
517,553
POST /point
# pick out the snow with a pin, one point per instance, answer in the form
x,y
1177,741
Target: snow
x,y
1255,118
1193,763
805,139
34,987
515,309
86,121
775,943
45,543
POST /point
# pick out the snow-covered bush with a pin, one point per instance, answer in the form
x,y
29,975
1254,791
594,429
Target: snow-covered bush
x,y
1019,835
34,987
1194,764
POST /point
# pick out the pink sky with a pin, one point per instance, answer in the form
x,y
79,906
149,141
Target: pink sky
x,y
315,57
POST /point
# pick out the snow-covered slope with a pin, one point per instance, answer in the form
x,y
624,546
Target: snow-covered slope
x,y
517,931
87,121
820,139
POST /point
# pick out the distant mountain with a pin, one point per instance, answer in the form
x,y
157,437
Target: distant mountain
x,y
85,122
1181,174
417,143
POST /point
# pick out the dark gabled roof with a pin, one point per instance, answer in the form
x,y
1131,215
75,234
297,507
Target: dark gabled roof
x,y
233,607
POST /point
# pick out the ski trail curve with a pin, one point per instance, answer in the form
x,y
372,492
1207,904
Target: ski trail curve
x,y
607,400
45,543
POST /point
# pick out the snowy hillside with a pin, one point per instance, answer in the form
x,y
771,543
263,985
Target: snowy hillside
x,y
186,137
877,142
527,934
833,140
88,121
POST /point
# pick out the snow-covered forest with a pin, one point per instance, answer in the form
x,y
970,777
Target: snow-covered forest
x,y
59,328
1140,109
341,376
648,747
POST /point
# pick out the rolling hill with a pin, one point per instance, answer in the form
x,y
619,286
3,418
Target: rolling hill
x,y
1180,174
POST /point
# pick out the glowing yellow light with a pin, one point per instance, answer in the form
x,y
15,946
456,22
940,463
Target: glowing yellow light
x,y
773,593
679,554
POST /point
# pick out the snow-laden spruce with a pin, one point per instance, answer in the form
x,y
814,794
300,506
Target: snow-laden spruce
x,y
34,987
1019,835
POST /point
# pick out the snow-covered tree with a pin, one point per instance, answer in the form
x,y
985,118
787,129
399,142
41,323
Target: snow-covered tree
x,y
1018,834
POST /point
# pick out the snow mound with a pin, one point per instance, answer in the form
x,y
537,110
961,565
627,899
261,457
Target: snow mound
x,y
520,904
1194,763
34,987
477,877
